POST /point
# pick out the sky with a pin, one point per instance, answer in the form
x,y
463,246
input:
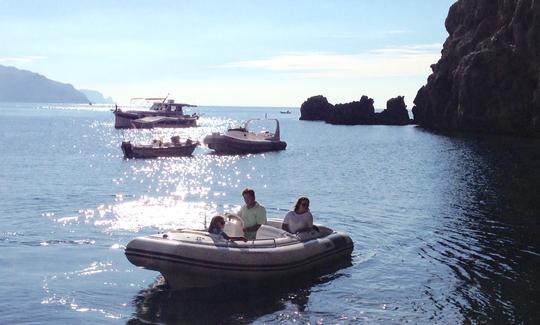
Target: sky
x,y
229,52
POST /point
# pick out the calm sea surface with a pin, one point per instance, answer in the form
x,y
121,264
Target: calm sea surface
x,y
446,229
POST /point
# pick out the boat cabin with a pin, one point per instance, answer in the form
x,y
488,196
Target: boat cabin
x,y
168,106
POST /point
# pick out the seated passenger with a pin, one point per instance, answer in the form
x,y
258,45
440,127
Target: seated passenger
x,y
300,219
252,214
216,227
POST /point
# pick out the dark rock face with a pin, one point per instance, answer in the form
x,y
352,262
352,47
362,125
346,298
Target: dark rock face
x,y
395,113
25,86
354,113
487,79
317,108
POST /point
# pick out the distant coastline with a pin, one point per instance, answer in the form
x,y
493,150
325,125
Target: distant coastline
x,y
23,86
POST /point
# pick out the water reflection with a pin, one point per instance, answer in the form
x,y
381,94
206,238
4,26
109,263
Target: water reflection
x,y
238,303
488,234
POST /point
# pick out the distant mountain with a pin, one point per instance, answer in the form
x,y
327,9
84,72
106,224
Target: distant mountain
x,y
95,97
25,86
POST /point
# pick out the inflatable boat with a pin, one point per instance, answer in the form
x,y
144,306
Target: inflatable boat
x,y
195,258
242,140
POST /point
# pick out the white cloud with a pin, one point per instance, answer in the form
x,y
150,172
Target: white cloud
x,y
412,60
21,59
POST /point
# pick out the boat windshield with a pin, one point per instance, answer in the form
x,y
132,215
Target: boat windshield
x,y
269,232
261,126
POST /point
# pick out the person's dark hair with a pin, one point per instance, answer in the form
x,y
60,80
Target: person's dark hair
x,y
299,201
248,191
215,221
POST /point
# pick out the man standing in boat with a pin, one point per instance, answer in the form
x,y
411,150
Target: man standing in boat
x,y
252,214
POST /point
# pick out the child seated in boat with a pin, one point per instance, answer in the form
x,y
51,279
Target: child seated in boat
x,y
216,227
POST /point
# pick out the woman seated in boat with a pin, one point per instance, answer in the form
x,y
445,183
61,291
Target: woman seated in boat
x,y
300,219
216,227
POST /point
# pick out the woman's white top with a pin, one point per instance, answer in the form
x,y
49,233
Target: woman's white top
x,y
298,221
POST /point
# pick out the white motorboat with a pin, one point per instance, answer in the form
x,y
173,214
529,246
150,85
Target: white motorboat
x,y
242,140
158,148
196,258
162,113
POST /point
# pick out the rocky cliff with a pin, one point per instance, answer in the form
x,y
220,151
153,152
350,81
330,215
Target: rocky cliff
x,y
25,86
317,108
487,79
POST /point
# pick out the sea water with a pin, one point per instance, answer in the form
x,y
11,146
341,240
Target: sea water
x,y
445,227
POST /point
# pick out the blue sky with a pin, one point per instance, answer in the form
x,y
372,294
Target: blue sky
x,y
234,52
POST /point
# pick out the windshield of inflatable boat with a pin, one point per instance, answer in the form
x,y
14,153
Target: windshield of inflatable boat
x,y
261,126
234,226
269,232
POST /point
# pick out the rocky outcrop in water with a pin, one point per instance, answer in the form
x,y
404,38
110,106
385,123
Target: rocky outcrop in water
x,y
315,108
24,86
360,112
487,79
318,108
395,113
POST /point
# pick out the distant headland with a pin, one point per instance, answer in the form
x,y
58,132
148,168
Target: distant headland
x,y
317,108
96,97
24,86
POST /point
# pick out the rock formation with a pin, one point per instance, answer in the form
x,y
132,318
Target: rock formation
x,y
361,112
395,113
318,108
487,79
315,108
25,86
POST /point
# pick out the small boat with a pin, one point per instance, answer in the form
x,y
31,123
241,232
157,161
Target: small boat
x,y
150,122
285,112
161,108
195,258
242,140
158,148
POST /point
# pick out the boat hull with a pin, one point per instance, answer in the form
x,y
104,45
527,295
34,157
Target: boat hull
x,y
206,262
226,144
145,151
125,120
